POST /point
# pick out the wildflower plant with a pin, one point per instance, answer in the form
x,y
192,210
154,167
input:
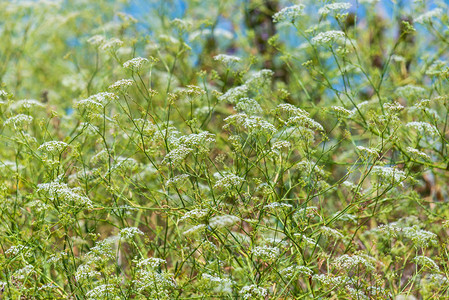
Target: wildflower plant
x,y
224,150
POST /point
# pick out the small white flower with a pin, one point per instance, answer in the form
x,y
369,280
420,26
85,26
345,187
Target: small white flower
x,y
86,272
229,181
27,104
135,64
428,16
423,128
96,40
334,7
194,229
275,205
195,214
177,155
53,147
228,60
426,262
389,174
367,152
223,221
266,253
19,121
330,280
152,262
129,233
294,271
104,291
328,37
112,44
341,111
233,95
289,14
121,84
416,152
253,292
351,262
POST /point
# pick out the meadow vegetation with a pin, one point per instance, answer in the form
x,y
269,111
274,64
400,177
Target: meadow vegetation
x,y
224,149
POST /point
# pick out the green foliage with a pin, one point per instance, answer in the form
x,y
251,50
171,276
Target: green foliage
x,y
300,153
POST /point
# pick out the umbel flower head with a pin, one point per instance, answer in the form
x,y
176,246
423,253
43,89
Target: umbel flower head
x,y
289,14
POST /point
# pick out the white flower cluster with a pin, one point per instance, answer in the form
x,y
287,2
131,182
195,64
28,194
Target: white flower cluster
x,y
331,233
103,251
223,221
248,106
135,64
310,167
61,191
53,147
152,262
148,128
96,102
389,175
428,16
419,237
199,141
426,262
252,124
177,180
438,67
96,40
125,163
424,128
195,214
293,271
416,152
24,272
86,272
3,93
19,121
194,229
234,94
157,284
309,242
410,90
229,182
307,212
298,117
129,233
16,250
177,155
367,152
341,111
121,85
289,14
356,293
393,107
104,291
222,285
228,60
259,79
328,37
253,292
279,145
334,7
276,205
353,262
265,253
27,104
438,279
111,44
330,280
